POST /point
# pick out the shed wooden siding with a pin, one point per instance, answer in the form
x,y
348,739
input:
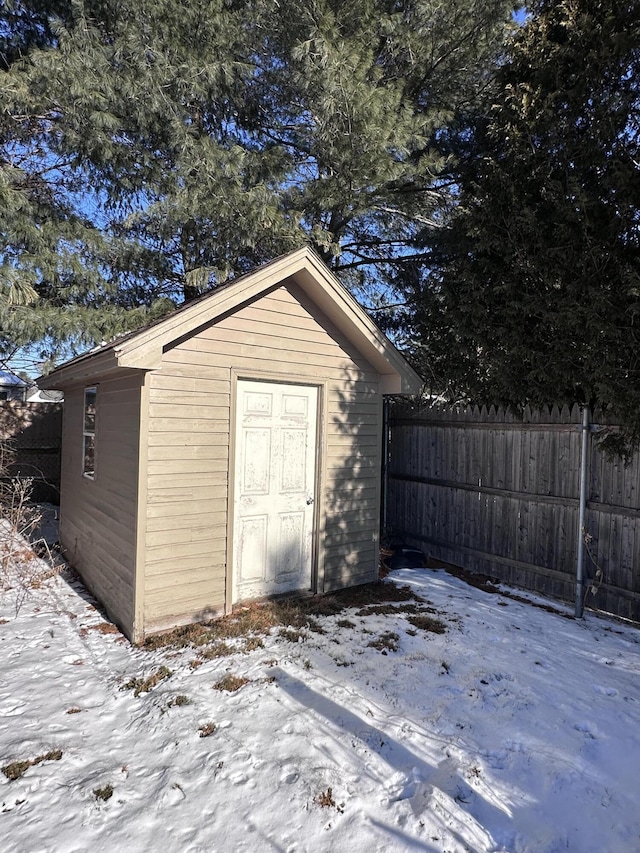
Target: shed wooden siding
x,y
98,517
282,333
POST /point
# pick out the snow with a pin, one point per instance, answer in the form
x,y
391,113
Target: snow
x,y
39,396
516,730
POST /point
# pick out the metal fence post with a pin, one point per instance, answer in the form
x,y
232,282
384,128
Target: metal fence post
x,y
584,463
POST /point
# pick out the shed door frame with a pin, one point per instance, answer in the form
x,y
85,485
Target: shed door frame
x,y
317,551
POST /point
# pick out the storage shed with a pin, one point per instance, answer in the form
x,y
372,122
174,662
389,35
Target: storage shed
x,y
230,451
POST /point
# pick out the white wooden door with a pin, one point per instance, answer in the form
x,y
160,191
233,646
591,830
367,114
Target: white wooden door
x,y
274,488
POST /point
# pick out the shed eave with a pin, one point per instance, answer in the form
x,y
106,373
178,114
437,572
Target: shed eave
x,y
148,358
89,368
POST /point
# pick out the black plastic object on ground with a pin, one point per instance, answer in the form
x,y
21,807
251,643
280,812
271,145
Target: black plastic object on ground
x,y
397,555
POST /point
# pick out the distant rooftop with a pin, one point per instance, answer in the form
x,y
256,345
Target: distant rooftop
x,y
8,378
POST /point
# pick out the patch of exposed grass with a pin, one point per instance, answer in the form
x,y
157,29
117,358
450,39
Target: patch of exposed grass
x,y
53,755
186,635
250,619
388,609
105,793
378,610
360,596
219,649
17,769
428,623
260,618
180,701
484,582
291,635
325,799
388,641
345,623
230,683
144,685
207,729
105,628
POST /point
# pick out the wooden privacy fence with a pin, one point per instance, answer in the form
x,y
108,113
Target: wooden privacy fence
x,y
30,434
499,494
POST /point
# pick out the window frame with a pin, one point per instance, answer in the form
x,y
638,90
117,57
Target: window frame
x,y
88,433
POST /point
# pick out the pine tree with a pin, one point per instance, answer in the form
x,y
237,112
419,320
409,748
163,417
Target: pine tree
x,y
180,144
536,295
56,285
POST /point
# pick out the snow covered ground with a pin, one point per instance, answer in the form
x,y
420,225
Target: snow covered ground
x,y
516,730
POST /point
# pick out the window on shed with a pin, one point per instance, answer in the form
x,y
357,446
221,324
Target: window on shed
x,y
89,433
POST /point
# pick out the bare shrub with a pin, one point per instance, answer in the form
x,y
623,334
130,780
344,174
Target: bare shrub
x,y
20,569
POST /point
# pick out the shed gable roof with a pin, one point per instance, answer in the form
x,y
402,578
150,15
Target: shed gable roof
x,y
143,349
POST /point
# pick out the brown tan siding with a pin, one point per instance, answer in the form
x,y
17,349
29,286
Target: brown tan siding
x,y
280,335
187,490
98,517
